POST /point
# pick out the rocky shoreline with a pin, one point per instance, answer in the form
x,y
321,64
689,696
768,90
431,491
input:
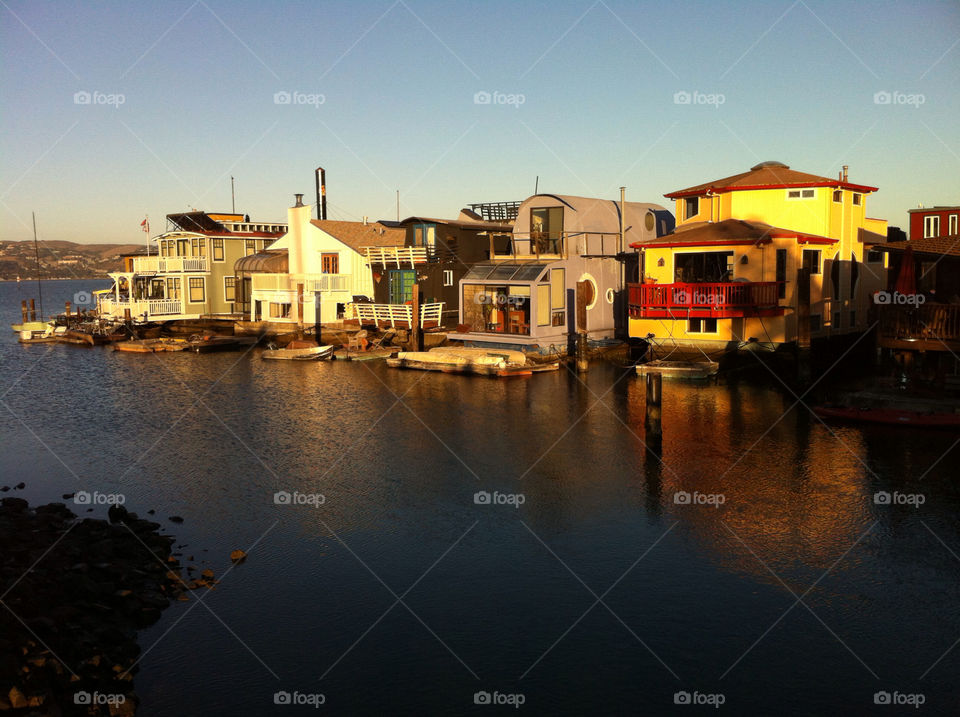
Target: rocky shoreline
x,y
73,593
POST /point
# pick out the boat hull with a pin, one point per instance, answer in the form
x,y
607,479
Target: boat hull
x,y
313,353
891,417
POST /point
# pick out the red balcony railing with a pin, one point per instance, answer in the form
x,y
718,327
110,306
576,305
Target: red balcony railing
x,y
713,300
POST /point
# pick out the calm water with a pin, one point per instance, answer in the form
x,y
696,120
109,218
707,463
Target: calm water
x,y
499,598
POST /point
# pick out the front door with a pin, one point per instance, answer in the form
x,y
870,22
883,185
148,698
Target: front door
x,y
401,285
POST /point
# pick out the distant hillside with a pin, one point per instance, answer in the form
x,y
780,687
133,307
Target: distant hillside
x,y
61,259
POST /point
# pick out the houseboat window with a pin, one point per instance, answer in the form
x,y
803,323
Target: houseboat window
x,y
279,311
836,319
218,249
173,288
781,275
195,247
250,247
546,229
952,224
196,289
558,285
229,288
425,235
691,207
699,267
857,199
448,277
874,255
931,227
811,260
543,304
182,246
502,309
838,195
814,322
156,289
330,263
202,243
701,326
801,193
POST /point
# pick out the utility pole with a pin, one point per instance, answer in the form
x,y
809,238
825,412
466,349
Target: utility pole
x,y
233,198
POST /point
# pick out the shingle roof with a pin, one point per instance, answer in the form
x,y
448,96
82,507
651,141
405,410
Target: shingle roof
x,y
357,235
941,246
767,176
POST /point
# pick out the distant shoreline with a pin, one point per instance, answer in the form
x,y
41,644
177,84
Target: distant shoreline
x,y
61,278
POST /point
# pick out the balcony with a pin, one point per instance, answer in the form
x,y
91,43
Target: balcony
x,y
311,282
170,264
538,245
398,256
148,309
927,327
714,300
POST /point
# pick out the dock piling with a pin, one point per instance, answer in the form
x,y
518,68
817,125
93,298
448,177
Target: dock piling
x,y
654,427
33,310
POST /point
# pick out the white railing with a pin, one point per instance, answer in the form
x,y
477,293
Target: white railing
x,y
270,282
326,282
397,255
393,314
141,307
169,264
311,282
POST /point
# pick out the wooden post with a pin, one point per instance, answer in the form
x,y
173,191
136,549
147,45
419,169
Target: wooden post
x,y
653,425
583,291
33,310
490,235
415,333
24,312
317,316
67,308
803,325
300,311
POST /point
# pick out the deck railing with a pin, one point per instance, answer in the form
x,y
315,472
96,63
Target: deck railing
x,y
398,315
926,321
719,299
311,282
398,255
140,307
169,264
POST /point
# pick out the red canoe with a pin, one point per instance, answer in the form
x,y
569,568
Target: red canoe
x,y
891,416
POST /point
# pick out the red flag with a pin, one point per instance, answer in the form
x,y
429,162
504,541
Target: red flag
x,y
145,226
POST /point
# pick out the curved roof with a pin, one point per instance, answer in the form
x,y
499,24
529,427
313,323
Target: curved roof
x,y
766,175
590,214
271,261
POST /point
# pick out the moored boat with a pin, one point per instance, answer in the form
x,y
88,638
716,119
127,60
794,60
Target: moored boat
x,y
209,344
299,351
891,416
147,346
486,362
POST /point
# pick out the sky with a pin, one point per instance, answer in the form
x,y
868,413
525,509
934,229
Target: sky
x,y
113,111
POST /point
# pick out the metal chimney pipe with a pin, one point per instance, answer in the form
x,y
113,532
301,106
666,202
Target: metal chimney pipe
x,y
299,198
321,193
845,168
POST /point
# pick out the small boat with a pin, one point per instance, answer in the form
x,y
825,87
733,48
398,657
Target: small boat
x,y
299,351
209,344
149,346
486,362
47,334
890,416
691,370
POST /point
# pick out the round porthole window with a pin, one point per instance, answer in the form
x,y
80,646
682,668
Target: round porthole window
x,y
590,293
610,296
649,221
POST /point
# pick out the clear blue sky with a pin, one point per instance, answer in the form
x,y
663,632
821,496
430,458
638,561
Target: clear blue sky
x,y
398,81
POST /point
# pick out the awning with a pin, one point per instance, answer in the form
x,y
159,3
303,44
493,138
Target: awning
x,y
271,261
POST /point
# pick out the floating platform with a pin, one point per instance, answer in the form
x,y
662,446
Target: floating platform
x,y
485,362
149,346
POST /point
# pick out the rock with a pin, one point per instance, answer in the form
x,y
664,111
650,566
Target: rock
x,y
68,496
118,514
151,512
17,504
175,519
238,556
208,574
20,486
17,699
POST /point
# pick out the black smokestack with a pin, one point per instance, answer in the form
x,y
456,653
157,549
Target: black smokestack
x,y
321,193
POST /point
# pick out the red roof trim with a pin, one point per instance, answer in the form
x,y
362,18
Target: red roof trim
x,y
836,184
713,242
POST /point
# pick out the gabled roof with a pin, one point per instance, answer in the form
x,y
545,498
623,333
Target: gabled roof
x,y
357,235
728,232
767,175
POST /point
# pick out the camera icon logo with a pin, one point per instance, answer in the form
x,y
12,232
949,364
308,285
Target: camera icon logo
x,y
281,98
81,98
681,698
82,497
881,297
881,698
281,698
681,297
83,298
82,698
681,497
881,498
481,497
481,698
882,98
481,98
682,98
282,497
